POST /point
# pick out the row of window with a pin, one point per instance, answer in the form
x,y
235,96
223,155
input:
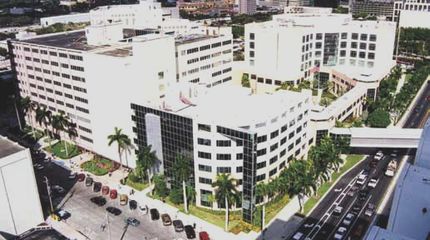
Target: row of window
x,y
51,53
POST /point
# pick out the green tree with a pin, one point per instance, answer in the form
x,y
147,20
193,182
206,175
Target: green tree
x,y
261,191
60,124
160,186
44,117
379,119
27,107
176,196
225,190
181,171
71,131
245,81
146,159
122,141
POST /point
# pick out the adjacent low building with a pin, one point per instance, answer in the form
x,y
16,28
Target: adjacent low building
x,y
20,207
64,19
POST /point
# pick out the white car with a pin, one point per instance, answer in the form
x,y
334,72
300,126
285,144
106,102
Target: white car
x,y
337,211
348,219
57,189
72,176
369,210
38,166
373,182
389,173
340,233
298,236
361,179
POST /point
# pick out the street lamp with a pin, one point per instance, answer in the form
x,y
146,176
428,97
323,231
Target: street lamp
x,y
16,111
48,188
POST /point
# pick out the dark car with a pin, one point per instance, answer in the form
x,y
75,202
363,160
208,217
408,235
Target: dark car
x,y
363,194
99,201
166,219
115,211
189,231
89,181
132,221
97,186
62,214
373,163
132,204
155,215
81,177
178,225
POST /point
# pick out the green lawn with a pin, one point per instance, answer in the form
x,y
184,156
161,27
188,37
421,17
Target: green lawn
x,y
59,150
136,185
97,166
38,134
351,160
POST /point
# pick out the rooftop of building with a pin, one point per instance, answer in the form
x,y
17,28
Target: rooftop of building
x,y
74,40
185,39
236,106
8,147
364,74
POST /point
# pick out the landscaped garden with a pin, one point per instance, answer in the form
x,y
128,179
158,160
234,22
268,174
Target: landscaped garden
x,y
99,166
59,150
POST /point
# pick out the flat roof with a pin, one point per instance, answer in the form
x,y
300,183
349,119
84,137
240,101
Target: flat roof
x,y
75,40
184,39
364,74
404,133
8,147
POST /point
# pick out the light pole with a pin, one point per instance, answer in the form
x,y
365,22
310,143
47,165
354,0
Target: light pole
x,y
48,188
108,225
16,111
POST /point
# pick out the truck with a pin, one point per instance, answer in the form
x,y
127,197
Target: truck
x,y
391,168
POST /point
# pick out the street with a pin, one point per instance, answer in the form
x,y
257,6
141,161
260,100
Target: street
x,y
322,224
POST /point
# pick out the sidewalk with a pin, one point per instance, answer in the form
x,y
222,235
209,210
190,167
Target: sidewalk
x,y
141,197
65,229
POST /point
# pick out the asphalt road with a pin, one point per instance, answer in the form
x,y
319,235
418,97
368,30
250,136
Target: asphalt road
x,y
321,224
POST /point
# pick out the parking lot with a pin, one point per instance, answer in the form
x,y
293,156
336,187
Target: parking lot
x,y
89,218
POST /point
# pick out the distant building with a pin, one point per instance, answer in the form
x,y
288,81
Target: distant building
x,y
414,19
410,5
375,8
20,208
70,18
247,6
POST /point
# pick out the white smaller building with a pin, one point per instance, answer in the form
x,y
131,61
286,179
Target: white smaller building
x,y
414,19
70,18
20,208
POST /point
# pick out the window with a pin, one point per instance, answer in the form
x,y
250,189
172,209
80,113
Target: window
x,y
273,172
282,153
291,146
77,68
205,168
57,83
342,44
362,55
223,143
353,54
215,45
86,139
85,129
261,152
363,46
239,156
251,36
283,140
273,147
205,180
67,85
261,139
59,93
371,55
81,99
344,35
49,90
239,169
65,75
273,159
35,50
63,65
261,177
204,155
79,89
203,141
261,165
353,44
205,47
319,36
363,37
68,95
223,156
70,105
204,127
53,54
251,54
192,50
372,38
223,170
226,42
372,46
251,45
354,36
79,79
75,57
342,53
318,45
82,109
274,134
62,55
59,102
54,63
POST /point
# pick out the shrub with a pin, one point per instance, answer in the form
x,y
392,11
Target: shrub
x,y
379,119
175,196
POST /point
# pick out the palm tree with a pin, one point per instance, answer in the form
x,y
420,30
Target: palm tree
x,y
27,108
225,190
181,169
60,124
146,160
261,191
44,117
122,141
71,131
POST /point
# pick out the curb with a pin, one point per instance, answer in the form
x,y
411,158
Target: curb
x,y
334,183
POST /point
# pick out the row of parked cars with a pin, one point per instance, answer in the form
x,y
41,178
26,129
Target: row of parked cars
x,y
133,205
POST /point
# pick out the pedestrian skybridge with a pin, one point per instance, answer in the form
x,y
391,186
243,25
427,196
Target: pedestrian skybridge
x,y
379,137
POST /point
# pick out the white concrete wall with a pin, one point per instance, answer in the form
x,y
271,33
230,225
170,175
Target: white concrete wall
x,y
414,19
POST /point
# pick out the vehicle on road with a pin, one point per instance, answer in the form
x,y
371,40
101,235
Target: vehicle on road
x,y
57,189
97,186
340,233
357,232
204,235
178,225
123,199
132,204
362,195
155,215
348,219
105,190
370,209
113,194
89,181
81,177
189,231
352,191
378,156
391,168
337,211
298,236
373,163
373,182
99,200
38,166
132,221
115,211
166,219
361,179
62,214
356,208
72,176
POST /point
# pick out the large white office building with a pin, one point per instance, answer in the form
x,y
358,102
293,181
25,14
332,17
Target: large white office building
x,y
412,6
227,129
292,47
20,208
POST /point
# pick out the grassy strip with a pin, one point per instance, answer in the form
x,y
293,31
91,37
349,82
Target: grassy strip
x,y
351,160
98,167
136,185
59,150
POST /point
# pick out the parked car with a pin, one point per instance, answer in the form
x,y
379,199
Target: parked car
x,y
132,204
189,231
113,194
204,235
72,176
298,236
89,181
337,211
166,219
81,177
38,166
115,211
105,190
391,168
340,233
369,210
57,189
99,200
143,208
97,186
178,225
123,199
352,191
378,156
361,179
132,221
62,214
155,215
373,182
348,219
